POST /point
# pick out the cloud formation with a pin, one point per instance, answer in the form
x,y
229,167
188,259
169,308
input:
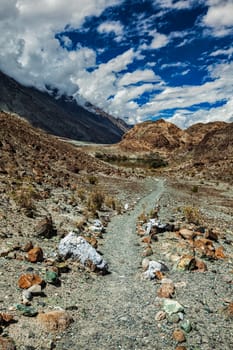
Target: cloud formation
x,y
133,62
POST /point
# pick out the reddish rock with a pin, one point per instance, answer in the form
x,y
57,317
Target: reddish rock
x,y
178,336
146,240
200,266
166,290
54,320
159,275
35,255
29,279
219,254
181,348
5,318
205,246
148,251
7,344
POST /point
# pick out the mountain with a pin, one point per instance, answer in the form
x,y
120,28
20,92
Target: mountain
x,y
59,116
159,135
30,153
203,149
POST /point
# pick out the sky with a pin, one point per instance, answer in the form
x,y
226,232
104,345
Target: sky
x,y
135,59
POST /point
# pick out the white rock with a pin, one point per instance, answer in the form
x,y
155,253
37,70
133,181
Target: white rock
x,y
145,264
35,289
126,206
78,248
153,267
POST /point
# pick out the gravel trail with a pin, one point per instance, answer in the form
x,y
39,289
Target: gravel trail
x,y
120,312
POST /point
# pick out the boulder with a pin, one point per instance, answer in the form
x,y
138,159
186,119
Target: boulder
x,y
76,247
29,279
35,255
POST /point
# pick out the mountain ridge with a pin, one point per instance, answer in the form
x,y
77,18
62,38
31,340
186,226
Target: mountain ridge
x,y
62,117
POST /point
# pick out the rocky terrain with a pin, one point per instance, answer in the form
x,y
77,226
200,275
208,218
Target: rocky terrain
x,y
167,242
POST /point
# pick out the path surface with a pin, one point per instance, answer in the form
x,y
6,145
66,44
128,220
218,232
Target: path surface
x,y
120,312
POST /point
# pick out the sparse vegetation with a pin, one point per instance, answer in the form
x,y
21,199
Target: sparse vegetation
x,y
192,215
95,200
92,180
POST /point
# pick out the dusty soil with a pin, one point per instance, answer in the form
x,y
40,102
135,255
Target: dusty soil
x,y
118,310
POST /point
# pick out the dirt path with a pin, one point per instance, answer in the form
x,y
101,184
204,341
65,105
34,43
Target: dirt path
x,y
120,312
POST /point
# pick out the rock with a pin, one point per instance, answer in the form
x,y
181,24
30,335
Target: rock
x,y
7,344
172,306
35,255
26,310
219,254
178,336
159,275
186,234
229,311
29,279
62,267
92,241
181,348
97,226
205,247
161,315
147,251
78,248
35,289
211,234
26,296
153,267
45,228
54,320
28,246
186,326
200,266
145,264
51,277
146,240
5,319
166,290
186,263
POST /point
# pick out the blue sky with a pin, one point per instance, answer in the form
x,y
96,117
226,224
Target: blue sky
x,y
135,59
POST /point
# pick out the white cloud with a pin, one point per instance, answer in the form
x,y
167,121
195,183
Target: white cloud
x,y
219,17
172,5
31,54
226,52
112,27
185,118
146,75
159,40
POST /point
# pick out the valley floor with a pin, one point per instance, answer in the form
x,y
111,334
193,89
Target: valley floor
x,y
118,310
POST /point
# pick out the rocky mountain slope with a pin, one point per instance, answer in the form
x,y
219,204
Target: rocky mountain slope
x,y
206,149
62,117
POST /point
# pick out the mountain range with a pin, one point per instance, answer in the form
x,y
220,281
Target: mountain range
x,y
59,116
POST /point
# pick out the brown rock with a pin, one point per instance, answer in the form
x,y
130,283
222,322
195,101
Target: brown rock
x,y
229,310
28,246
205,247
219,254
200,266
178,336
181,348
29,279
45,228
7,344
211,234
187,234
5,318
35,255
159,275
166,290
148,251
146,240
54,320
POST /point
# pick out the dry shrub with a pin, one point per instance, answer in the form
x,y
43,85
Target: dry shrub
x,y
110,202
192,215
81,194
92,180
25,196
95,200
143,217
